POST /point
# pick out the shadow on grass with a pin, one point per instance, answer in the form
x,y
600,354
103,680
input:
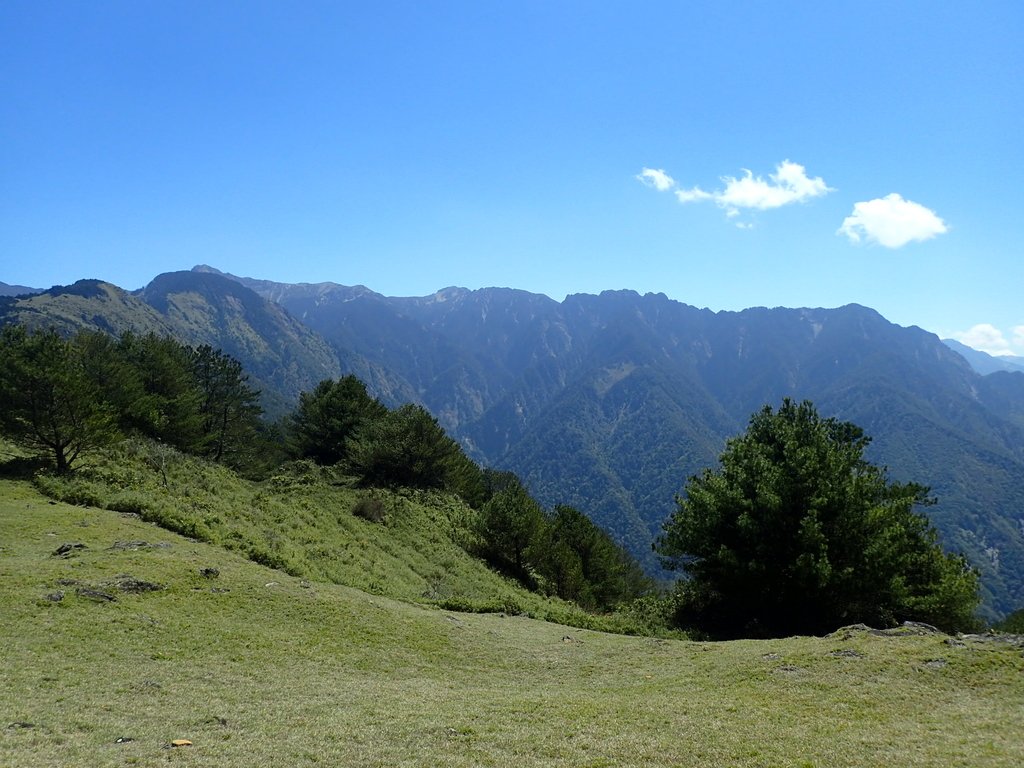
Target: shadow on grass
x,y
20,467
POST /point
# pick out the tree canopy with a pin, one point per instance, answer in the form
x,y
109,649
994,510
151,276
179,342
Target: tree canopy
x,y
327,419
51,403
65,396
797,533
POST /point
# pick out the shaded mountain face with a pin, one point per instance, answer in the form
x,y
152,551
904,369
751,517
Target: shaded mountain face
x,y
282,356
611,402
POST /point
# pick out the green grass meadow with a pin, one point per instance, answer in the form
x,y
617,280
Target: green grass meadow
x,y
258,667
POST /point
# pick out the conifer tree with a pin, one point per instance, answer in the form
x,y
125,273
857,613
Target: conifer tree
x,y
796,532
50,404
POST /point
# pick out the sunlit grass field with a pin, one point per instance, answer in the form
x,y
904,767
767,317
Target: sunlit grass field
x,y
256,667
303,520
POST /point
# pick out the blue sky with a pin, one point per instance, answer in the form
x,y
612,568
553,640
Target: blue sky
x,y
726,154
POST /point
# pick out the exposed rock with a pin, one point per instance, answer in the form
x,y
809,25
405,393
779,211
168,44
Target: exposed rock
x,y
66,550
905,629
914,628
56,597
789,669
127,583
996,637
209,573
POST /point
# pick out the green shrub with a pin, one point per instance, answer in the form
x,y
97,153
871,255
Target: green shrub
x,y
130,503
370,508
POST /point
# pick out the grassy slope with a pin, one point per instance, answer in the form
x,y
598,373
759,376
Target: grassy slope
x,y
256,667
301,521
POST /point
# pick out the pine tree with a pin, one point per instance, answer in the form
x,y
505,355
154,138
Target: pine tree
x,y
797,533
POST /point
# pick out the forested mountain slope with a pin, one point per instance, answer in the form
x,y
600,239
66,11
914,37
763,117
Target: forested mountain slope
x,y
610,402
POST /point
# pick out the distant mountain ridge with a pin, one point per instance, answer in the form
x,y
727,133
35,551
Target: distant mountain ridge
x,y
282,355
17,290
610,402
983,362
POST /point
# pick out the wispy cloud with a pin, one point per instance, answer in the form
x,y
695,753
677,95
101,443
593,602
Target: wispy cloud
x,y
892,222
657,179
985,337
789,184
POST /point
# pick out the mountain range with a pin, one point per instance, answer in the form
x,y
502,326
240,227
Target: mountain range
x,y
611,402
983,362
16,290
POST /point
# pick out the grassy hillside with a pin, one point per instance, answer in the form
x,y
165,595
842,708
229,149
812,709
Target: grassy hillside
x,y
256,667
313,524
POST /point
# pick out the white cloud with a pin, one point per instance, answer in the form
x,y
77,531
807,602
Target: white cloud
x,y
892,222
692,195
1018,338
789,184
985,337
658,179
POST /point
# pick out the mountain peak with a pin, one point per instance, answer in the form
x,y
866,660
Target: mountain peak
x,y
450,293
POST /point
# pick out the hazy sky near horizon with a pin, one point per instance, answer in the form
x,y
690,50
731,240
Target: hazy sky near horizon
x,y
726,154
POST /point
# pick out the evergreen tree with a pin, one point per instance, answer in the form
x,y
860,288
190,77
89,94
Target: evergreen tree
x,y
797,533
586,565
406,447
228,406
50,403
170,407
511,527
327,419
119,382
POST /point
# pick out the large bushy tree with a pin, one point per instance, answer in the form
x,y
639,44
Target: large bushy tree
x,y
510,526
328,417
228,407
406,447
168,406
796,532
48,401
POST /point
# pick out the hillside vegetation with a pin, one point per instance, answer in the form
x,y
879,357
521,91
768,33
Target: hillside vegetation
x,y
132,637
609,403
317,524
